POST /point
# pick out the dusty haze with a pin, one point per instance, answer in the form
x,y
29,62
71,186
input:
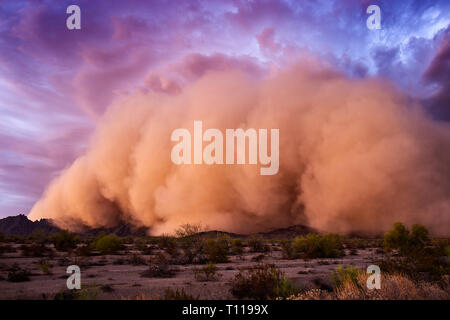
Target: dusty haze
x,y
355,155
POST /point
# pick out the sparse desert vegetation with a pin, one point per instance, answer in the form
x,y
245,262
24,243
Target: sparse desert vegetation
x,y
260,282
194,264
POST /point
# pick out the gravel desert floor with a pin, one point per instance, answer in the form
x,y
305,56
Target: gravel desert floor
x,y
115,277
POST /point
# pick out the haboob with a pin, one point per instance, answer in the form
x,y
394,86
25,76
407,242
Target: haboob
x,y
354,155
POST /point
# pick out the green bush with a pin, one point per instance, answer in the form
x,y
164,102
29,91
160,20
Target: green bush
x,y
288,250
191,243
168,243
136,260
257,244
319,246
170,294
237,246
419,236
207,273
262,282
89,292
418,258
17,274
345,273
401,239
65,240
45,267
397,237
159,269
142,245
217,250
109,244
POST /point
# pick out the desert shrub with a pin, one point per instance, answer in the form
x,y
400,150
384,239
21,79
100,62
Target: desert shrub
x,y
136,260
406,242
120,261
159,269
168,244
36,250
85,293
393,287
261,282
45,266
108,244
419,236
237,242
127,240
83,250
356,243
66,294
417,259
258,258
319,246
397,237
207,273
312,294
141,245
17,274
287,249
447,251
424,266
65,240
257,244
217,250
39,236
178,294
345,273
165,241
440,246
188,230
106,288
237,247
191,243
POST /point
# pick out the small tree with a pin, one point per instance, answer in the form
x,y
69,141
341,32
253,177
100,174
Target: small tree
x,y
319,246
109,244
419,235
217,250
65,240
187,230
404,241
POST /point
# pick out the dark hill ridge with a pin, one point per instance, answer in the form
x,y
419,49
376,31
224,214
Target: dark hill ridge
x,y
281,233
21,226
288,232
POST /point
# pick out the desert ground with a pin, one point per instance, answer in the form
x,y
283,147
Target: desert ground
x,y
192,267
117,278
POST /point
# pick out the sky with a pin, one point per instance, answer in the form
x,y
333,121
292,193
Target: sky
x,y
56,83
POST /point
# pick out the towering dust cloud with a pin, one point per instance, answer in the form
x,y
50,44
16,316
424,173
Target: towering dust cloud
x,y
354,155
